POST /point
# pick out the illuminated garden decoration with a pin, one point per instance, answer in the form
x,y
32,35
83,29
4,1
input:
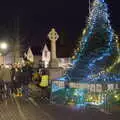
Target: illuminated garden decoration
x,y
98,51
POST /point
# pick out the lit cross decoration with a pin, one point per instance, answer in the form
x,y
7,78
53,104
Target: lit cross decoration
x,y
53,36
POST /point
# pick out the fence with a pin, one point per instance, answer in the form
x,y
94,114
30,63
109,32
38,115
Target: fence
x,y
80,93
63,93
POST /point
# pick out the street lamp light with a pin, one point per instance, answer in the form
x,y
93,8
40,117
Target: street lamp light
x,y
3,46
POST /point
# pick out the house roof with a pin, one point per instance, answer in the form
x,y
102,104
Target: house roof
x,y
36,50
61,52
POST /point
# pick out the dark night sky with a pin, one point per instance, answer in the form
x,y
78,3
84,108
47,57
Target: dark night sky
x,y
37,18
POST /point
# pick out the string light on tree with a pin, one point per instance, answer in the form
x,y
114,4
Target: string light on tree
x,y
97,44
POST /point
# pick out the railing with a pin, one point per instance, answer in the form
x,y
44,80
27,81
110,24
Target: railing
x,y
76,91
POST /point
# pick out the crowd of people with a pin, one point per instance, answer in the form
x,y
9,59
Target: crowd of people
x,y
16,79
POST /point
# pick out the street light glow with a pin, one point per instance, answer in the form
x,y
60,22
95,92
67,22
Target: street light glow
x,y
3,46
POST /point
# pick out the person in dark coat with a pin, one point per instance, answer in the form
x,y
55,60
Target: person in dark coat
x,y
13,77
27,74
18,81
27,78
13,73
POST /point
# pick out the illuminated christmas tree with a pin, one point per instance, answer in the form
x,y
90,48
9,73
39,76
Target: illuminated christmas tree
x,y
98,51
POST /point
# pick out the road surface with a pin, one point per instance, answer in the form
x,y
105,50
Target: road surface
x,y
32,109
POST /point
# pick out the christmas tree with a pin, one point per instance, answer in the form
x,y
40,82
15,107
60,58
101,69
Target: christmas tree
x,y
98,51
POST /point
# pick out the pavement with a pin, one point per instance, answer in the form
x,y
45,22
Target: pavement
x,y
21,109
35,108
9,111
61,112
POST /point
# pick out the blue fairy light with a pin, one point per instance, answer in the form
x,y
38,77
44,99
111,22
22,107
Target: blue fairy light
x,y
85,61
